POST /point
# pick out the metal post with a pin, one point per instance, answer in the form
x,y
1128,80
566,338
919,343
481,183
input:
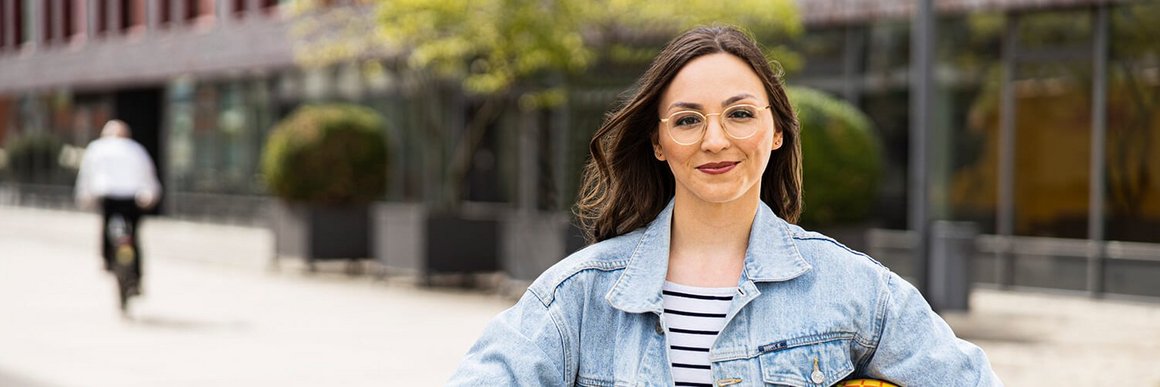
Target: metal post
x,y
921,86
529,149
1005,212
562,134
1095,272
852,64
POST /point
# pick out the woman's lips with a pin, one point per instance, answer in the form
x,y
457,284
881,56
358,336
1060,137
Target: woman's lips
x,y
717,168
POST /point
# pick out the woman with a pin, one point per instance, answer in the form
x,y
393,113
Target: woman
x,y
698,276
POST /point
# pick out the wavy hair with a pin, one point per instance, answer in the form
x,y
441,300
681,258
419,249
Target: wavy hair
x,y
624,187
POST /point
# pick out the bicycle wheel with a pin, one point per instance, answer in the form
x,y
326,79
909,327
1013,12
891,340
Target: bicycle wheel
x,y
127,277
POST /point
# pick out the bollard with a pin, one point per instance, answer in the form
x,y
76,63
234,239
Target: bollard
x,y
952,248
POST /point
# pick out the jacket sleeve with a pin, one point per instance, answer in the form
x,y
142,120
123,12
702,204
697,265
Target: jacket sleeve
x,y
916,347
148,178
523,346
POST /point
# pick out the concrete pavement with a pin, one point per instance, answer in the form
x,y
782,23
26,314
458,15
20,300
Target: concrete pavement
x,y
215,315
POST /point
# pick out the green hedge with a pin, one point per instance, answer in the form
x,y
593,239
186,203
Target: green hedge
x,y
327,154
33,158
842,160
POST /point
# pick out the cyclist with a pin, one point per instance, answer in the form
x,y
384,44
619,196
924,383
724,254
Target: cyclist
x,y
117,174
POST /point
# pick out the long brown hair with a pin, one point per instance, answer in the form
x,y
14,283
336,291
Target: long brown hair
x,y
624,187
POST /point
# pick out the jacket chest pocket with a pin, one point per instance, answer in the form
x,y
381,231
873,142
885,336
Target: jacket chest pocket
x,y
816,364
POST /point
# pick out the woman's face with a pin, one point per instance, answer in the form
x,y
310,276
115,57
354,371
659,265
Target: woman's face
x,y
717,166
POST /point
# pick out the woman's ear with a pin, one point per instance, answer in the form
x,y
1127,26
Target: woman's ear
x,y
777,138
656,144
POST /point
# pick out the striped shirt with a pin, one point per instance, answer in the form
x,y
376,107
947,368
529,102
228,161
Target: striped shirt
x,y
694,316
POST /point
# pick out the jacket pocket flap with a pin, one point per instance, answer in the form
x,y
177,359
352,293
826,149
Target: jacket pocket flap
x,y
816,364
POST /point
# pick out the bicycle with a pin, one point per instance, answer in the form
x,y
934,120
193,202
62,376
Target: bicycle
x,y
124,260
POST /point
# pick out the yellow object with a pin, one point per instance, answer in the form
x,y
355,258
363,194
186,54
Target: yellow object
x,y
867,383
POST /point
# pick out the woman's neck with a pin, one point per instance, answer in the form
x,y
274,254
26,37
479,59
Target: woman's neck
x,y
708,241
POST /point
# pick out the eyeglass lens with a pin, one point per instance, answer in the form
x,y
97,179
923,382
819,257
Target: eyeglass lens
x,y
739,121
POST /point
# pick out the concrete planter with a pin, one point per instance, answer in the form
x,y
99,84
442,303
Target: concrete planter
x,y
400,236
534,241
314,232
412,240
462,243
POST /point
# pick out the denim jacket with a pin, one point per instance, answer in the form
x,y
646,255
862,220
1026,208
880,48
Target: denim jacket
x,y
808,312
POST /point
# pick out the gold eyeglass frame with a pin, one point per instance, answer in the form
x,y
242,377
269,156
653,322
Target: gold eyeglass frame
x,y
705,122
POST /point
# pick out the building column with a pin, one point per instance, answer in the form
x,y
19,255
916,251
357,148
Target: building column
x,y
35,23
922,41
56,24
80,19
1096,243
9,26
114,17
92,16
1005,211
178,12
253,8
222,10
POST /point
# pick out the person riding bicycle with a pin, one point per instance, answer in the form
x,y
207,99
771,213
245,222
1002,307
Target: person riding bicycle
x,y
117,174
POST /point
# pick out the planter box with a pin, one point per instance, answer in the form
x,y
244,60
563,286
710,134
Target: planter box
x,y
410,239
461,243
400,237
534,241
321,232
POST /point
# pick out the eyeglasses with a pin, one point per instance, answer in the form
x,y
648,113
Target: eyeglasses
x,y
686,127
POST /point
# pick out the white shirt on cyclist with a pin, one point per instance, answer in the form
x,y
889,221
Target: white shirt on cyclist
x,y
115,166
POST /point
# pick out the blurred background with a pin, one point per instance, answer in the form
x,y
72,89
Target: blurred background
x,y
1011,147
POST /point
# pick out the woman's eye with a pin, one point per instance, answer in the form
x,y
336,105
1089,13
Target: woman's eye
x,y
741,114
687,121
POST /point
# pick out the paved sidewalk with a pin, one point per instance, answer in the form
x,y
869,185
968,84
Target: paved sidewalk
x,y
215,315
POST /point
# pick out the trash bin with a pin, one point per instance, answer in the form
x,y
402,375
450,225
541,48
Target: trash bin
x,y
952,247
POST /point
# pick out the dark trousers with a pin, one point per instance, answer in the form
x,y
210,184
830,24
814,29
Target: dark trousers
x,y
129,211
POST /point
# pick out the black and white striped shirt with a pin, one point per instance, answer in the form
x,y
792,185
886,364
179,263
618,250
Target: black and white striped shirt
x,y
694,316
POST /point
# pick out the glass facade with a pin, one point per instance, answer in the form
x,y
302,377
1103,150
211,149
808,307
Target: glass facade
x,y
1133,145
213,126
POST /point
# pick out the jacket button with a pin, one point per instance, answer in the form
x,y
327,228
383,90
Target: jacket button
x,y
817,377
660,330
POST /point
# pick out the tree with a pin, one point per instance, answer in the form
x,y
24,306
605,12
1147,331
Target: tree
x,y
514,51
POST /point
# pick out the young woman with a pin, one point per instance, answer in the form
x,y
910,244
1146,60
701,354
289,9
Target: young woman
x,y
698,276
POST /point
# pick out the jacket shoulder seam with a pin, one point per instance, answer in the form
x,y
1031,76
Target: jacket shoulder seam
x,y
546,293
819,237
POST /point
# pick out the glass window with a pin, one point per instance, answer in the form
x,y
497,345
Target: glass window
x,y
1053,124
1133,143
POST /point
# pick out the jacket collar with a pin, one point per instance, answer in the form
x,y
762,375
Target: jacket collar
x,y
771,256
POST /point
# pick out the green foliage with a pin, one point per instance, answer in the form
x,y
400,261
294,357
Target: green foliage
x,y
327,154
493,45
32,157
842,160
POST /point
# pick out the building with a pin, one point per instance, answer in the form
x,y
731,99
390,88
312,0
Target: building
x,y
1015,83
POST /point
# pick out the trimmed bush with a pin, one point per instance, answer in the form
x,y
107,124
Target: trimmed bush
x,y
32,158
842,160
327,154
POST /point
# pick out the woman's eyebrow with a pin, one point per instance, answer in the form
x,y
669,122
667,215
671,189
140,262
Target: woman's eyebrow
x,y
697,106
686,105
736,98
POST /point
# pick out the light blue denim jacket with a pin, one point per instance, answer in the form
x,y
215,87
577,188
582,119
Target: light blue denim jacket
x,y
804,303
